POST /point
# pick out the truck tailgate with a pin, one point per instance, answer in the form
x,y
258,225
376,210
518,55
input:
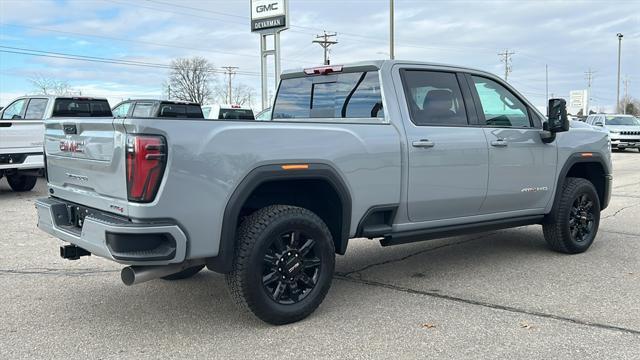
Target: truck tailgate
x,y
86,162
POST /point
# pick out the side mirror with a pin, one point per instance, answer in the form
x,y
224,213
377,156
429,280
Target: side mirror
x,y
558,120
599,124
16,117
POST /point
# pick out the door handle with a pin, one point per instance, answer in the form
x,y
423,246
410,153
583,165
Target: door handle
x,y
424,143
499,143
5,124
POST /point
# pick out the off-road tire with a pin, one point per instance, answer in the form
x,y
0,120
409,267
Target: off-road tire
x,y
22,182
184,274
556,226
254,238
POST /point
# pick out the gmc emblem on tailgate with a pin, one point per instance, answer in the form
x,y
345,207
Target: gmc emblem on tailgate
x,y
72,146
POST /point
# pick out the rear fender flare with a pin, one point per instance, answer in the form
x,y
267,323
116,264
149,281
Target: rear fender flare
x,y
222,263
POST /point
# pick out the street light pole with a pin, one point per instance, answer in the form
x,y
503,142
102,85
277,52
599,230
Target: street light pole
x,y
618,85
391,31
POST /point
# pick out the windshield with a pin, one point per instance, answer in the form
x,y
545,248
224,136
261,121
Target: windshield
x,y
622,120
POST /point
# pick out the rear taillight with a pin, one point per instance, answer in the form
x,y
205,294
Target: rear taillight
x,y
146,160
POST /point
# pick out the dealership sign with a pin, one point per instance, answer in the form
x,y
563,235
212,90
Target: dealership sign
x,y
269,15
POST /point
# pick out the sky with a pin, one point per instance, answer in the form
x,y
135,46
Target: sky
x,y
570,37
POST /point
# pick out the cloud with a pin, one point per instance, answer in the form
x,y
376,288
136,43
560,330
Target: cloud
x,y
568,36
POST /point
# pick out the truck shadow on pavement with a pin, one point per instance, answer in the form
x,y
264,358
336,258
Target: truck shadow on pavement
x,y
203,299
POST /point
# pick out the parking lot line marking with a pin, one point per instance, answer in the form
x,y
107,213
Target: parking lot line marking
x,y
489,305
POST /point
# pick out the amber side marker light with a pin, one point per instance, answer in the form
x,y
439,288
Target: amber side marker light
x,y
587,154
295,167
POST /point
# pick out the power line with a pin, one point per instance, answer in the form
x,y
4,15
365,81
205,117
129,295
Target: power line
x,y
168,45
59,55
292,27
506,59
325,41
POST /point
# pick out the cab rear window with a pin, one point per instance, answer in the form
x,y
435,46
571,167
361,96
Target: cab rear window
x,y
76,107
180,111
344,95
236,114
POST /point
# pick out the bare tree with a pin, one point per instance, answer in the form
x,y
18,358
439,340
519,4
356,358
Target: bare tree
x,y
190,79
630,105
47,86
241,94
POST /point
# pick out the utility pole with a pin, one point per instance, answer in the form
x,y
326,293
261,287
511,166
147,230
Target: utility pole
x,y
506,59
391,31
589,77
546,83
619,35
229,70
626,95
325,41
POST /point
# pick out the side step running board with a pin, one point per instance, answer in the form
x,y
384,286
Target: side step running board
x,y
456,230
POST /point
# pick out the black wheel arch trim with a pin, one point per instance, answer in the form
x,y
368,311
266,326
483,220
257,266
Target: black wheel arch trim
x,y
222,262
580,157
392,208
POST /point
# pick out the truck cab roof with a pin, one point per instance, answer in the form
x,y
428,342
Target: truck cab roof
x,y
377,65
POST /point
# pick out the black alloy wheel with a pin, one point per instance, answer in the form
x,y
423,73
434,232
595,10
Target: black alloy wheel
x,y
581,218
291,267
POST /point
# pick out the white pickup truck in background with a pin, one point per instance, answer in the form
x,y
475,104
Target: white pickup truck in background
x,y
22,133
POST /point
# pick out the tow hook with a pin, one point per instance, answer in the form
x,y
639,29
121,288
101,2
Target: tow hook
x,y
72,252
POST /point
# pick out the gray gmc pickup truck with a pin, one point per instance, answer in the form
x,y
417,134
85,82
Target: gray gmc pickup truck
x,y
390,150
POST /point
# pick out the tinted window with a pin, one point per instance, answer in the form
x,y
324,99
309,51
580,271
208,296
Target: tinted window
x,y
621,120
142,109
81,108
35,109
14,111
345,95
122,110
434,98
236,114
499,105
180,111
194,112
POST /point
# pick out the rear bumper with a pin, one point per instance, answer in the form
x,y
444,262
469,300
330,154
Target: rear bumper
x,y
21,161
113,237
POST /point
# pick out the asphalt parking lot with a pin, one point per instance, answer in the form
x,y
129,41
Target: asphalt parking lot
x,y
500,295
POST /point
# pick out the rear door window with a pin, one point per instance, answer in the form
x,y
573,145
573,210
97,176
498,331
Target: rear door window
x,y
143,109
434,98
122,110
36,109
344,95
81,107
15,110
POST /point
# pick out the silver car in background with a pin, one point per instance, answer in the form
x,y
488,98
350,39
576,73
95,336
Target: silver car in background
x,y
624,130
